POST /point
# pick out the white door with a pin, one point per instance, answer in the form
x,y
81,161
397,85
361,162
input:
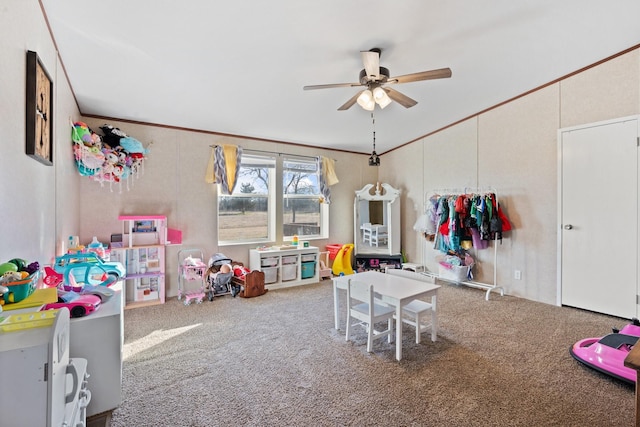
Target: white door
x,y
599,217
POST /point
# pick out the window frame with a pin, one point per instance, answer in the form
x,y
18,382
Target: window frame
x,y
256,160
323,207
275,198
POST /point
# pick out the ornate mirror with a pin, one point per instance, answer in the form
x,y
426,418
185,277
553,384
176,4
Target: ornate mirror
x,y
377,220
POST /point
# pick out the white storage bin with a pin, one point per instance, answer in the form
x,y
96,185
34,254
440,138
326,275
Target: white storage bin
x,y
455,273
291,259
269,262
308,257
270,274
289,272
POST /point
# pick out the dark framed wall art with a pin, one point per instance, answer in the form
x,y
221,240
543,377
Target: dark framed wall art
x,y
39,130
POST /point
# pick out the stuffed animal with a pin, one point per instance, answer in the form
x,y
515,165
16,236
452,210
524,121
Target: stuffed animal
x,y
132,145
112,136
240,270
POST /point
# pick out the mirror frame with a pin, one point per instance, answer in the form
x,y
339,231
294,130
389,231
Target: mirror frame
x,y
390,198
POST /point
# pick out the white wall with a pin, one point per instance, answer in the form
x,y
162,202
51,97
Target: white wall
x,y
173,185
513,148
39,202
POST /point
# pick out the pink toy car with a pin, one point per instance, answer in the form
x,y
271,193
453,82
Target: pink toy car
x,y
78,305
606,354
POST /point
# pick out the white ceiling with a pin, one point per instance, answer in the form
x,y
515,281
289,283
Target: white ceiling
x,y
238,67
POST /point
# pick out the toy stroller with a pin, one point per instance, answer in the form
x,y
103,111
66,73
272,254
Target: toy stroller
x,y
218,277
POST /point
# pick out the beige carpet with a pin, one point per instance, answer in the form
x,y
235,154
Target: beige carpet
x,y
277,361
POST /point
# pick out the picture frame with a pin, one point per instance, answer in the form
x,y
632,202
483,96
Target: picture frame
x,y
39,111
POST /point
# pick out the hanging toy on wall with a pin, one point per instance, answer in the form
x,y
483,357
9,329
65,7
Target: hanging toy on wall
x,y
113,157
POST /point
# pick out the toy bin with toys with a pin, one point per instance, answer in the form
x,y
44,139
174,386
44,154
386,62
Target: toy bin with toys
x,y
18,280
20,289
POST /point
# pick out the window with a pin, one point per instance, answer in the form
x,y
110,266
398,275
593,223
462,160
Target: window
x,y
251,214
248,215
302,211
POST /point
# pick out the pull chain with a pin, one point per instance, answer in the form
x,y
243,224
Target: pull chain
x,y
374,159
373,120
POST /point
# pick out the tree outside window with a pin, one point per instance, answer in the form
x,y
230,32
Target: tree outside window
x,y
245,215
249,214
301,198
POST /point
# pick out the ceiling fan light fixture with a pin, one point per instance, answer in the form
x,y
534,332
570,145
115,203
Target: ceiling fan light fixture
x,y
379,93
381,97
373,77
365,100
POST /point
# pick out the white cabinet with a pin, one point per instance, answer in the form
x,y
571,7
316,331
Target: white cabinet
x,y
42,386
286,267
99,339
143,256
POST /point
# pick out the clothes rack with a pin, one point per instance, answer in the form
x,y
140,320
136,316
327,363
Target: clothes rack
x,y
468,191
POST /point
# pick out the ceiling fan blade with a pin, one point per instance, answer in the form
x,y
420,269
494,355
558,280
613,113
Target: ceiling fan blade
x,y
350,102
371,60
328,86
441,73
401,99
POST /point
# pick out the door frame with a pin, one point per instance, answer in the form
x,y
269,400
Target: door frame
x,y
560,193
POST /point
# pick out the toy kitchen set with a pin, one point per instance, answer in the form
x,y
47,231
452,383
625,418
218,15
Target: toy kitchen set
x,y
62,358
47,356
43,386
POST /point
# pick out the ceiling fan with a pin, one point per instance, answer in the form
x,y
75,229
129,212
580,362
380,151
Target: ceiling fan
x,y
375,78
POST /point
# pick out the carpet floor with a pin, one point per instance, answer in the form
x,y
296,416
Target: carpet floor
x,y
277,360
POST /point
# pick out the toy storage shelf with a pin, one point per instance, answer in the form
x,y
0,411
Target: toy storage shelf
x,y
143,255
286,267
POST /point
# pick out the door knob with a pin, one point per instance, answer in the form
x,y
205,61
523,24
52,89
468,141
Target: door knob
x,y
568,227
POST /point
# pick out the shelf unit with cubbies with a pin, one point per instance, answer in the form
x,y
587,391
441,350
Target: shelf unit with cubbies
x,y
286,267
144,238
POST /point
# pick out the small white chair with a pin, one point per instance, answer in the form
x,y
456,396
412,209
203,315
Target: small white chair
x,y
415,313
368,312
379,235
366,232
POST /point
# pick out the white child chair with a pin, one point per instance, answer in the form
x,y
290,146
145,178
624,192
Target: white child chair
x,y
368,311
415,313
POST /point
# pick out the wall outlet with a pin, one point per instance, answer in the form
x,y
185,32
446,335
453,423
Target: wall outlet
x,y
517,274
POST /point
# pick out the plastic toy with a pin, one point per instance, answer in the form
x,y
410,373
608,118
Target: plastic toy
x,y
7,267
102,292
77,276
342,262
83,278
20,289
325,270
191,269
606,354
114,269
51,277
78,305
